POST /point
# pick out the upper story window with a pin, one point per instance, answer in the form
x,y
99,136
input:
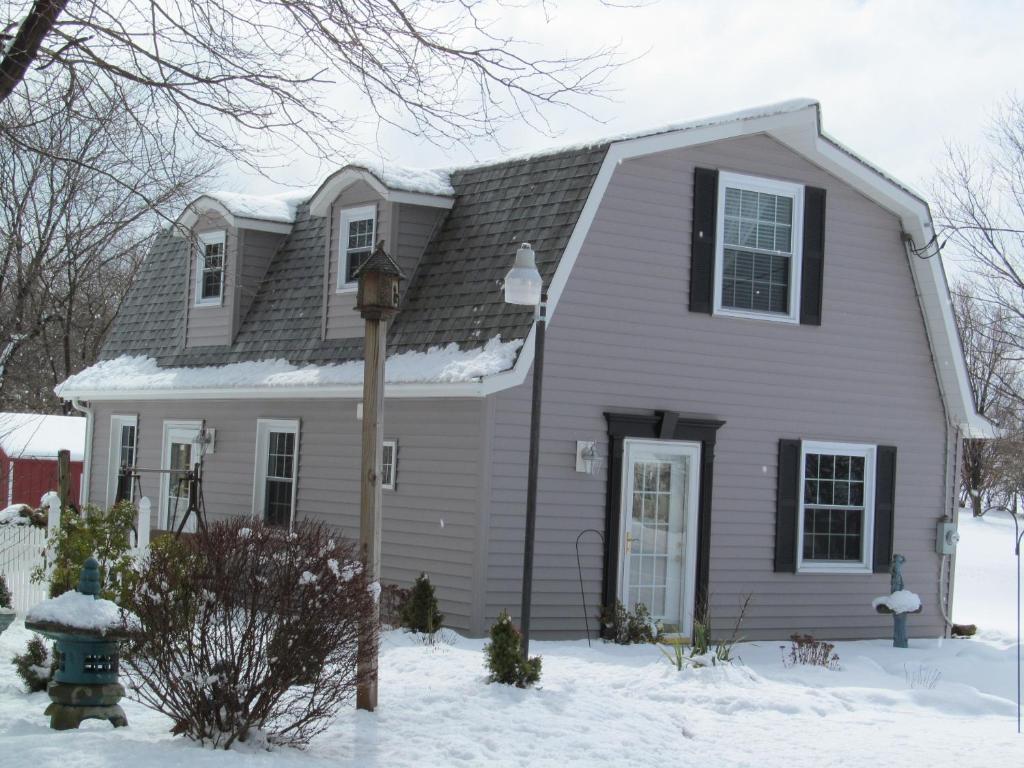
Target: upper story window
x,y
836,507
210,268
758,259
356,238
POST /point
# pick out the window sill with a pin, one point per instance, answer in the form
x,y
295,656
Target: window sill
x,y
352,288
217,303
846,570
769,316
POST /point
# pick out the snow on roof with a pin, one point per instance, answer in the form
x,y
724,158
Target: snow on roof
x,y
425,181
40,436
279,207
446,364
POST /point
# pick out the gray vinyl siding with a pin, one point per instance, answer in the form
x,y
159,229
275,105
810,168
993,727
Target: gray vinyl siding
x,y
342,321
414,226
257,249
622,338
212,324
430,519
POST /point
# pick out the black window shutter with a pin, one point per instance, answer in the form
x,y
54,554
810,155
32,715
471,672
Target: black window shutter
x,y
786,512
813,263
702,253
885,501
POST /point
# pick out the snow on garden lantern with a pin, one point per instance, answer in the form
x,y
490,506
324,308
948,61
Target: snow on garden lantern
x,y
379,277
86,629
899,603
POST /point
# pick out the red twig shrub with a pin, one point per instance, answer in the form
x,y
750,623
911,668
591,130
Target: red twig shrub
x,y
248,633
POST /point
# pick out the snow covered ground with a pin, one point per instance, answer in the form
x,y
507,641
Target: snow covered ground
x,y
986,574
624,706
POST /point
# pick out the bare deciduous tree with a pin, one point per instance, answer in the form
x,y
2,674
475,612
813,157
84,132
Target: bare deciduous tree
x,y
980,198
76,218
237,75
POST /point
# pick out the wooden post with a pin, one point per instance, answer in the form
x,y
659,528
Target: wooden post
x,y
370,500
376,302
64,476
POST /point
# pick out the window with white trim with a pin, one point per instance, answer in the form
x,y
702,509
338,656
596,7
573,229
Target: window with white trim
x,y
757,264
210,268
837,495
124,438
389,465
356,233
277,458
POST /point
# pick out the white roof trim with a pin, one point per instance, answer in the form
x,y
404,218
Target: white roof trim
x,y
339,181
205,203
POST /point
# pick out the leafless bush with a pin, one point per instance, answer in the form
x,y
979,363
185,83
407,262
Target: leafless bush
x,y
807,651
392,599
248,633
922,676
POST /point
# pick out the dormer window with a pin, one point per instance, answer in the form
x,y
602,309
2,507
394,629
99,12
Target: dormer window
x,y
356,236
210,268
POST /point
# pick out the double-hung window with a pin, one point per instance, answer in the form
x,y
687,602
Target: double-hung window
x,y
389,465
757,264
837,495
356,237
210,268
277,452
124,439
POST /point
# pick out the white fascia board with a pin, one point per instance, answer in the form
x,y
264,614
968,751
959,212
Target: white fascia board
x,y
339,181
463,389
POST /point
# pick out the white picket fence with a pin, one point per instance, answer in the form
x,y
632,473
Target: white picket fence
x,y
23,549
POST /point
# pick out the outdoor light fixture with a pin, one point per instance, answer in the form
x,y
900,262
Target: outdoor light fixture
x,y
524,286
523,283
587,457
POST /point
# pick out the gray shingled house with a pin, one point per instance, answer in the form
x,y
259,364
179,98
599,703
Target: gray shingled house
x,y
743,323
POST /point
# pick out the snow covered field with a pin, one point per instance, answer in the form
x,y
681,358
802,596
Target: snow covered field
x,y
623,706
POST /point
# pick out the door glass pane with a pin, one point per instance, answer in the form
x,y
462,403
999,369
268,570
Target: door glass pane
x,y
177,493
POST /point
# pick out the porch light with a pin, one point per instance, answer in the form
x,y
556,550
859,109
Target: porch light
x,y
523,282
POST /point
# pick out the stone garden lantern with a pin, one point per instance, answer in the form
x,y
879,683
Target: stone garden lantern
x,y
86,629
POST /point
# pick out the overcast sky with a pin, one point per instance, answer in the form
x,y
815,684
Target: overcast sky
x,y
895,79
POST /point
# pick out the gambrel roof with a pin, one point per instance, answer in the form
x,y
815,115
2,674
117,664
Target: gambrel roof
x,y
454,296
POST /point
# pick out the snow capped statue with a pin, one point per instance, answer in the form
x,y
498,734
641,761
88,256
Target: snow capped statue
x,y
899,603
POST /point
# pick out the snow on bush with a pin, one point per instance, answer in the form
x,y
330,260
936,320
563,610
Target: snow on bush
x,y
903,601
248,637
16,514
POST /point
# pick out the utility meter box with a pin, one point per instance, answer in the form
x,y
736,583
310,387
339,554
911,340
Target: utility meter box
x,y
947,537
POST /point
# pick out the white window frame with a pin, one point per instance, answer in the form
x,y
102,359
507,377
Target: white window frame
x,y
772,187
869,452
347,216
165,478
117,422
205,239
393,445
259,483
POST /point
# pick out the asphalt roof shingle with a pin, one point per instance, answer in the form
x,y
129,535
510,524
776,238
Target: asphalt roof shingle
x,y
454,294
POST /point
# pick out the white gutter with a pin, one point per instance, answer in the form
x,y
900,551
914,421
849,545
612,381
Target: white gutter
x,y
90,419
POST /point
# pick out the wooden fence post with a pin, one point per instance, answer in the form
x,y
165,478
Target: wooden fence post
x,y
64,476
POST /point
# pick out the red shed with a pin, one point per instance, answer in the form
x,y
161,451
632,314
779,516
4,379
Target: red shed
x,y
29,443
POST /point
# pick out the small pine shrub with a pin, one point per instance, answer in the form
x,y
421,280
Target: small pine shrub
x,y
36,665
505,656
807,651
420,613
629,627
5,593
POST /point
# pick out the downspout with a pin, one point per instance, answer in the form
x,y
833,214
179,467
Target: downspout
x,y
90,418
950,469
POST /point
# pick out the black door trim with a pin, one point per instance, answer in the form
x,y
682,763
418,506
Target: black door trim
x,y
659,425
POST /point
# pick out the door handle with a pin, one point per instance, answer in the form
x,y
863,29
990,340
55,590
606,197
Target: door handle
x,y
629,542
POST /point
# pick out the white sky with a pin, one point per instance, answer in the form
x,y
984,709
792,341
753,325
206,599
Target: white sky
x,y
896,79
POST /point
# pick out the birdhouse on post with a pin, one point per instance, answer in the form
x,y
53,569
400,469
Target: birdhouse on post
x,y
379,277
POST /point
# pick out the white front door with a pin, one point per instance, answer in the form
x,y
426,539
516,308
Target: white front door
x,y
660,485
179,454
